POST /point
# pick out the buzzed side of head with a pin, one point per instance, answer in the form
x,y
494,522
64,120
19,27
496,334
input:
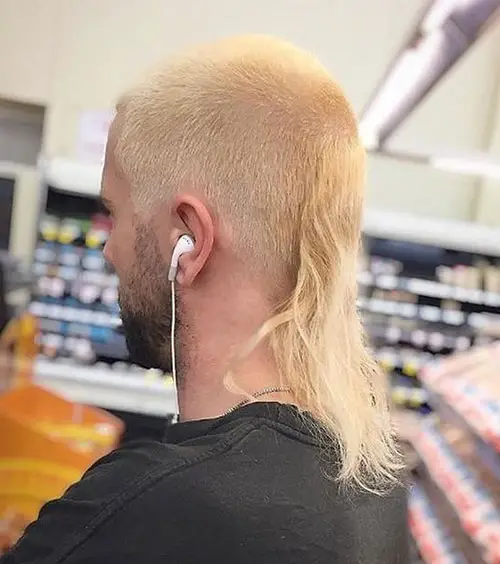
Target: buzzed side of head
x,y
245,121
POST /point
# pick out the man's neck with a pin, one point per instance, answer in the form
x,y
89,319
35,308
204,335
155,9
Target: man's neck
x,y
220,322
208,390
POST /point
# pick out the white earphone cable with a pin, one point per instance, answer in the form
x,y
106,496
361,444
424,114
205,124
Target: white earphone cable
x,y
172,347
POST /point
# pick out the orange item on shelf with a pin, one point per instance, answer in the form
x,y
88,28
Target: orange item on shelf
x,y
19,339
46,444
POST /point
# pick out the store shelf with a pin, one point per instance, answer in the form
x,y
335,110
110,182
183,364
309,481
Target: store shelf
x,y
449,234
475,509
135,393
72,177
429,288
445,537
74,314
435,542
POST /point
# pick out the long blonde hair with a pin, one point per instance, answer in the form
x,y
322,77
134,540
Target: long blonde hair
x,y
263,129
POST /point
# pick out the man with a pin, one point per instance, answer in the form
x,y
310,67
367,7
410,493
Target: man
x,y
283,452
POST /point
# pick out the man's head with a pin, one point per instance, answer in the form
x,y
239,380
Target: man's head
x,y
249,146
225,140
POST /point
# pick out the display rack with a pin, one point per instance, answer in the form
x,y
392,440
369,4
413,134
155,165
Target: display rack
x,y
426,291
459,454
83,354
149,394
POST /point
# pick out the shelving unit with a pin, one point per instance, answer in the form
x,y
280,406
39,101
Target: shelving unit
x,y
426,291
433,542
459,452
150,394
83,351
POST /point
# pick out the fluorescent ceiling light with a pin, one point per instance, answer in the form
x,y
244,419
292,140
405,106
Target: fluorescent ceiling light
x,y
440,11
413,66
473,166
440,38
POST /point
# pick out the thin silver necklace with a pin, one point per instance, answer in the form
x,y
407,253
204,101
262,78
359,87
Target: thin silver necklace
x,y
260,393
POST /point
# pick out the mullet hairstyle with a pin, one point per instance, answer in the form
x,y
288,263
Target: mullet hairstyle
x,y
262,129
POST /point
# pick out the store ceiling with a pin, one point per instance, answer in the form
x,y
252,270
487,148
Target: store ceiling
x,y
460,112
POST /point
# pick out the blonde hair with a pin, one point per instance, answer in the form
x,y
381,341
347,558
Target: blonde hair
x,y
270,138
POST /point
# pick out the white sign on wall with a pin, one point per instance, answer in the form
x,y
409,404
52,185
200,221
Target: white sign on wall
x,y
92,135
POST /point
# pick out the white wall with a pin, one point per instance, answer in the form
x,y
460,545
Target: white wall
x,y
108,43
90,50
28,48
488,206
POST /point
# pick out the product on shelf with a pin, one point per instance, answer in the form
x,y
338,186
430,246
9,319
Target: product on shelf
x,y
433,541
75,294
469,384
82,349
477,512
420,303
458,447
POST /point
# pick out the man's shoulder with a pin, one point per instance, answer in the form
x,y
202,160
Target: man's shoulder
x,y
105,491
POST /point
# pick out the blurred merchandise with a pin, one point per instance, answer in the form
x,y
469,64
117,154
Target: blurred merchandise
x,y
421,302
75,293
458,449
82,352
431,307
47,444
47,441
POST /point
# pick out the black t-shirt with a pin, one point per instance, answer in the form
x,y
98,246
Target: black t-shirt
x,y
249,487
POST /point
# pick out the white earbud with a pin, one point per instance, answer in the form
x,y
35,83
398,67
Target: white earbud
x,y
184,245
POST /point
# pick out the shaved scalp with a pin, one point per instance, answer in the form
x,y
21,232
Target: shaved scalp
x,y
248,121
261,130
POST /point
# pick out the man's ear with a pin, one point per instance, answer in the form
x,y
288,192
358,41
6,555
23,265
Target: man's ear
x,y
190,215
